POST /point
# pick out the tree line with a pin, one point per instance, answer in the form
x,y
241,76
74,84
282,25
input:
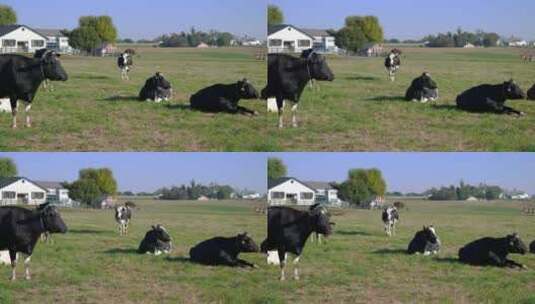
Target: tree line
x,y
194,191
461,38
193,38
463,191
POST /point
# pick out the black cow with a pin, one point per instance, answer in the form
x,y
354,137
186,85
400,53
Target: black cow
x,y
531,93
493,251
156,241
21,229
225,98
318,236
288,76
156,89
491,98
224,251
425,241
39,54
532,247
20,77
422,89
289,229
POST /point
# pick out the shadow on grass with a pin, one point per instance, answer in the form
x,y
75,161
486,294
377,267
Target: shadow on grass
x,y
363,78
387,98
346,232
121,98
177,106
389,251
447,107
121,251
86,231
447,260
179,259
91,77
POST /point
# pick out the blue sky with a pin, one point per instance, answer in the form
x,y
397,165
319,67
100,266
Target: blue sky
x,y
148,19
149,171
417,172
415,18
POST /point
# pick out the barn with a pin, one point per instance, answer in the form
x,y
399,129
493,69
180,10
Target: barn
x,y
285,38
290,191
20,190
17,38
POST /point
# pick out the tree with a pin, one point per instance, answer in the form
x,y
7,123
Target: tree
x,y
350,38
84,190
92,31
359,30
8,167
361,186
276,168
91,184
7,15
275,15
105,28
84,38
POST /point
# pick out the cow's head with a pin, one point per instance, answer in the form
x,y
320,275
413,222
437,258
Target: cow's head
x,y
515,244
512,91
430,234
245,243
51,219
318,68
247,90
160,233
321,220
427,82
52,68
158,81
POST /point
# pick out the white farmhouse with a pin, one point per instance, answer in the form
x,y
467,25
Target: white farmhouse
x,y
20,190
325,193
518,43
290,191
20,39
56,40
520,196
284,38
323,41
57,194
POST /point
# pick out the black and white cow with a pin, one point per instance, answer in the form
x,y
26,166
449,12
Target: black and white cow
x,y
288,231
21,229
224,251
20,77
288,76
316,236
531,93
123,215
425,242
156,89
422,89
39,54
125,63
390,218
532,247
156,241
491,98
393,63
493,251
225,98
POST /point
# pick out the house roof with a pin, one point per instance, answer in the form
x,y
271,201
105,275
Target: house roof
x,y
319,185
275,182
6,29
6,181
316,32
50,32
50,185
278,27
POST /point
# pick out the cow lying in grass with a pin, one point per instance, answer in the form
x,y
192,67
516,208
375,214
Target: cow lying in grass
x,y
156,89
493,251
225,98
156,241
425,242
491,98
422,89
532,247
224,251
531,93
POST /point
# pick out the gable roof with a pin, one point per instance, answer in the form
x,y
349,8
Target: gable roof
x,y
6,29
275,182
320,185
50,32
316,32
279,27
6,181
50,185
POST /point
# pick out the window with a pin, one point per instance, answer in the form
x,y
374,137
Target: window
x,y
277,195
38,43
275,42
306,195
38,195
9,195
303,43
9,42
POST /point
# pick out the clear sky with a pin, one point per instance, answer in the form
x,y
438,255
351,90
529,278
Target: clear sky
x,y
148,19
408,19
149,171
416,172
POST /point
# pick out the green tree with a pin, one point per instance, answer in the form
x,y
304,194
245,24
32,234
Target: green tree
x,y
7,15
361,186
103,178
276,168
359,30
84,190
224,39
105,28
274,15
350,38
84,38
8,167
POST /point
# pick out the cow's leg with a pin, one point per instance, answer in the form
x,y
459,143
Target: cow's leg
x,y
496,260
244,110
13,258
294,115
280,107
514,264
14,104
282,259
319,238
27,112
244,263
296,270
510,110
27,275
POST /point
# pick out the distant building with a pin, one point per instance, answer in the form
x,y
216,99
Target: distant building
x,y
372,50
104,202
202,45
106,49
253,42
285,38
290,191
252,196
323,41
56,193
18,38
518,43
203,198
325,193
21,191
472,199
468,45
520,196
56,40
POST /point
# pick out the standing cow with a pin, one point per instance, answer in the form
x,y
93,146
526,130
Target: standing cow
x,y
20,77
390,218
491,98
125,62
123,215
422,89
393,63
224,98
288,76
21,229
493,251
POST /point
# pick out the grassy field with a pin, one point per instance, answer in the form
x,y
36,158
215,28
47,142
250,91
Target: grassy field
x,y
358,264
95,110
363,111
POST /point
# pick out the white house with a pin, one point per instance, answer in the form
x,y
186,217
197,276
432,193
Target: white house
x,y
290,191
252,42
284,38
56,193
520,196
20,39
325,193
20,190
252,196
56,40
518,43
323,41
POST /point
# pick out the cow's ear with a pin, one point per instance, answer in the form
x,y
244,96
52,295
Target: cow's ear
x,y
153,228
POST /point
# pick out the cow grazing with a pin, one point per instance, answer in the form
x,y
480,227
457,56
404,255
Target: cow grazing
x,y
47,85
20,77
21,229
491,98
422,89
125,63
493,251
156,241
288,76
288,231
532,247
156,89
531,93
393,63
224,98
425,241
224,251
123,215
390,218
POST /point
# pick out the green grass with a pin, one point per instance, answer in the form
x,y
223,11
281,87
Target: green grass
x,y
363,111
96,111
358,264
